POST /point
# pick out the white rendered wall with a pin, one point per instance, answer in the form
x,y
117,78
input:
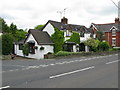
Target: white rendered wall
x,y
39,54
49,29
74,48
17,51
86,49
86,36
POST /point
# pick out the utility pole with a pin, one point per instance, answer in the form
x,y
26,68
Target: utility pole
x,y
119,10
115,4
118,7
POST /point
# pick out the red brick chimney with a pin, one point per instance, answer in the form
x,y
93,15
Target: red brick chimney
x,y
64,20
117,20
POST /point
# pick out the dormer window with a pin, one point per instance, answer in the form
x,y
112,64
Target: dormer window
x,y
68,33
82,34
62,27
113,32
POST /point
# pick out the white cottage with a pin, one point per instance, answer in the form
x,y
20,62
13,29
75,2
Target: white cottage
x,y
68,31
39,43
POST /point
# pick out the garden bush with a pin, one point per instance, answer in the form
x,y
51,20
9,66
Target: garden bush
x,y
7,44
103,46
64,53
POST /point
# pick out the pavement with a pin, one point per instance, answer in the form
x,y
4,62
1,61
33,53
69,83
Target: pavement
x,y
83,72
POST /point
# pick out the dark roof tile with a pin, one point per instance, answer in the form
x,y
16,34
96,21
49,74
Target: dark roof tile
x,y
61,26
107,27
41,37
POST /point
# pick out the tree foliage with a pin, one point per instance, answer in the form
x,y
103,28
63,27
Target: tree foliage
x,y
75,37
13,29
10,34
103,46
20,34
92,43
58,39
3,26
39,27
7,44
100,35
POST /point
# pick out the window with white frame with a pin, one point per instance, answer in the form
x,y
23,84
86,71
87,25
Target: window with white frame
x,y
113,32
68,33
113,41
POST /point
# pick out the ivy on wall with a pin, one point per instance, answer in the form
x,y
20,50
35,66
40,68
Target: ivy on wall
x,y
25,49
58,39
75,37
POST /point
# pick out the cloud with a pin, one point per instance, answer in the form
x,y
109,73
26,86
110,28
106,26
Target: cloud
x,y
29,13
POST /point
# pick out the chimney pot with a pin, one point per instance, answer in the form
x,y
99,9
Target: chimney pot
x,y
117,20
64,20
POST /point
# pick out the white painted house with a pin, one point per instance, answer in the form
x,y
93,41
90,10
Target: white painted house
x,y
68,31
41,39
39,44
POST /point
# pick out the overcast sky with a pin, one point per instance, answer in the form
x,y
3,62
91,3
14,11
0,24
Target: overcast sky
x,y
29,13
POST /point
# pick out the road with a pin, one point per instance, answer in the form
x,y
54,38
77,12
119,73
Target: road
x,y
83,72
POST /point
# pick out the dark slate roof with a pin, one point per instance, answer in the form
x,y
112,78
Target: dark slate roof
x,y
20,42
41,37
62,26
107,27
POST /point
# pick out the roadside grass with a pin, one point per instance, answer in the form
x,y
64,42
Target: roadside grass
x,y
114,49
65,53
79,54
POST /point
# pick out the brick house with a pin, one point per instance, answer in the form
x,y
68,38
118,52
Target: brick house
x,y
111,32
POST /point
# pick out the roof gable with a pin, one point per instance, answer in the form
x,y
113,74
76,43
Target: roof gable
x,y
113,28
107,27
62,26
42,38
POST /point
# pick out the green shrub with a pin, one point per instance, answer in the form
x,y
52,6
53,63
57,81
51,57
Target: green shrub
x,y
25,50
75,37
58,39
7,44
92,43
114,49
103,46
64,53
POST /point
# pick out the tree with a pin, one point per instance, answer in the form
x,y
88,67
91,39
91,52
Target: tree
x,y
75,37
103,46
92,43
13,29
58,39
20,34
100,35
39,27
7,44
3,26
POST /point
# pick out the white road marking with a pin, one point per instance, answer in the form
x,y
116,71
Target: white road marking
x,y
64,62
14,65
4,87
59,75
52,64
44,65
113,61
60,63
